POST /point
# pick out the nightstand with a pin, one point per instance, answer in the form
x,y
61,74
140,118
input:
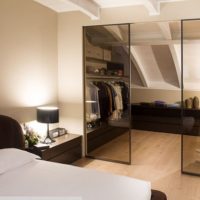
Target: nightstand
x,y
66,149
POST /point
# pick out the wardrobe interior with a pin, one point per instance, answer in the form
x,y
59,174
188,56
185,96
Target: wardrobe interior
x,y
142,76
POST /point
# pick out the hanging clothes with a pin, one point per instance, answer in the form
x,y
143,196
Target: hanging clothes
x,y
92,102
125,94
111,97
116,114
104,101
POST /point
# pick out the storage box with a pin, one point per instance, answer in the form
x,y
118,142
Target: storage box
x,y
107,55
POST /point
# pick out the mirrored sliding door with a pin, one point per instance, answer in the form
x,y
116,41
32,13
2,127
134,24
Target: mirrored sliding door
x,y
190,96
156,90
107,92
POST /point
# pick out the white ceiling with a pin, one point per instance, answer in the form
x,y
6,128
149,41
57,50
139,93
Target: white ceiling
x,y
117,3
92,7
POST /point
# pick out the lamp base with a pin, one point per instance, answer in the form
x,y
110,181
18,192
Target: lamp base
x,y
48,140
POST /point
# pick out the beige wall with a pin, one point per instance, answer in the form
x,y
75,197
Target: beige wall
x,y
169,96
70,50
28,55
151,95
28,58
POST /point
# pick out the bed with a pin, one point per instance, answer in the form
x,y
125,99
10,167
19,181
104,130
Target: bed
x,y
28,176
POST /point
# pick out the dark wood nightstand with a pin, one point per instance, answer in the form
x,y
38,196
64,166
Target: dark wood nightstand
x,y
66,149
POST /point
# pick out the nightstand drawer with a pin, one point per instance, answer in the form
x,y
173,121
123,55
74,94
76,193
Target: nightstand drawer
x,y
68,156
60,149
66,149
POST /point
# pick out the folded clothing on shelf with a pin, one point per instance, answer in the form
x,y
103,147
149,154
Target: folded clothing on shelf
x,y
160,103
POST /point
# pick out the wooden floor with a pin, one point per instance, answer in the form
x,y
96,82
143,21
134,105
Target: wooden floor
x,y
156,157
117,149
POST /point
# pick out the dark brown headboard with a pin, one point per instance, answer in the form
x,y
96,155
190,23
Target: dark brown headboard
x,y
11,135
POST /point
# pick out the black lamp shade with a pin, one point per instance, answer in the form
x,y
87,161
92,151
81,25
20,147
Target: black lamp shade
x,y
48,115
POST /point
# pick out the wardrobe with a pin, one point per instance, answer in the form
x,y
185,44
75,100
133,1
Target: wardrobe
x,y
141,76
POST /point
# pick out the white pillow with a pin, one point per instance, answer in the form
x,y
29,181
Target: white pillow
x,y
11,158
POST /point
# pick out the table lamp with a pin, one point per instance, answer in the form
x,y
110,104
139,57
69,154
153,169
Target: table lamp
x,y
48,115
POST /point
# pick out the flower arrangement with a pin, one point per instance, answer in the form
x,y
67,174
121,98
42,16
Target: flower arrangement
x,y
31,138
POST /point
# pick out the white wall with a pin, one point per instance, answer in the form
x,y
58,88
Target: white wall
x,y
70,50
28,58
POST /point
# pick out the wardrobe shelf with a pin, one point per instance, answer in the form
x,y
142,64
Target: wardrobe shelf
x,y
105,77
97,60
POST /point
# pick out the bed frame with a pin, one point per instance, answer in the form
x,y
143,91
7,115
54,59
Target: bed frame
x,y
11,136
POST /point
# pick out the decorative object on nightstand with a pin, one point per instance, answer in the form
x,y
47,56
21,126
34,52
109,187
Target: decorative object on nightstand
x,y
62,131
31,137
48,115
66,149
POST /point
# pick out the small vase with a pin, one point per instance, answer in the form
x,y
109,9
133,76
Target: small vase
x,y
188,103
196,102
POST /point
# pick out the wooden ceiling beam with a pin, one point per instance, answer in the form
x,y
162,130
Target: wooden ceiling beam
x,y
166,32
88,7
153,6
140,69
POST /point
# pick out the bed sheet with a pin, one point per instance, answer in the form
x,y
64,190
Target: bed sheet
x,y
42,178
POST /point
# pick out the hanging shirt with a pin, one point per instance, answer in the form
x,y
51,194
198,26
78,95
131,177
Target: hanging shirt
x,y
92,100
118,97
104,101
125,94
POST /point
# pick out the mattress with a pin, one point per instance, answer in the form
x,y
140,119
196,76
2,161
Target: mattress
x,y
48,179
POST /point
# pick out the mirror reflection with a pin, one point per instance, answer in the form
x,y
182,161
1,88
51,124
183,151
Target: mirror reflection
x,y
191,95
156,76
107,96
144,61
156,91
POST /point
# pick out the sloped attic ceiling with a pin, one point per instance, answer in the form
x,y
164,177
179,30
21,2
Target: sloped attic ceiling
x,y
156,52
157,49
153,46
